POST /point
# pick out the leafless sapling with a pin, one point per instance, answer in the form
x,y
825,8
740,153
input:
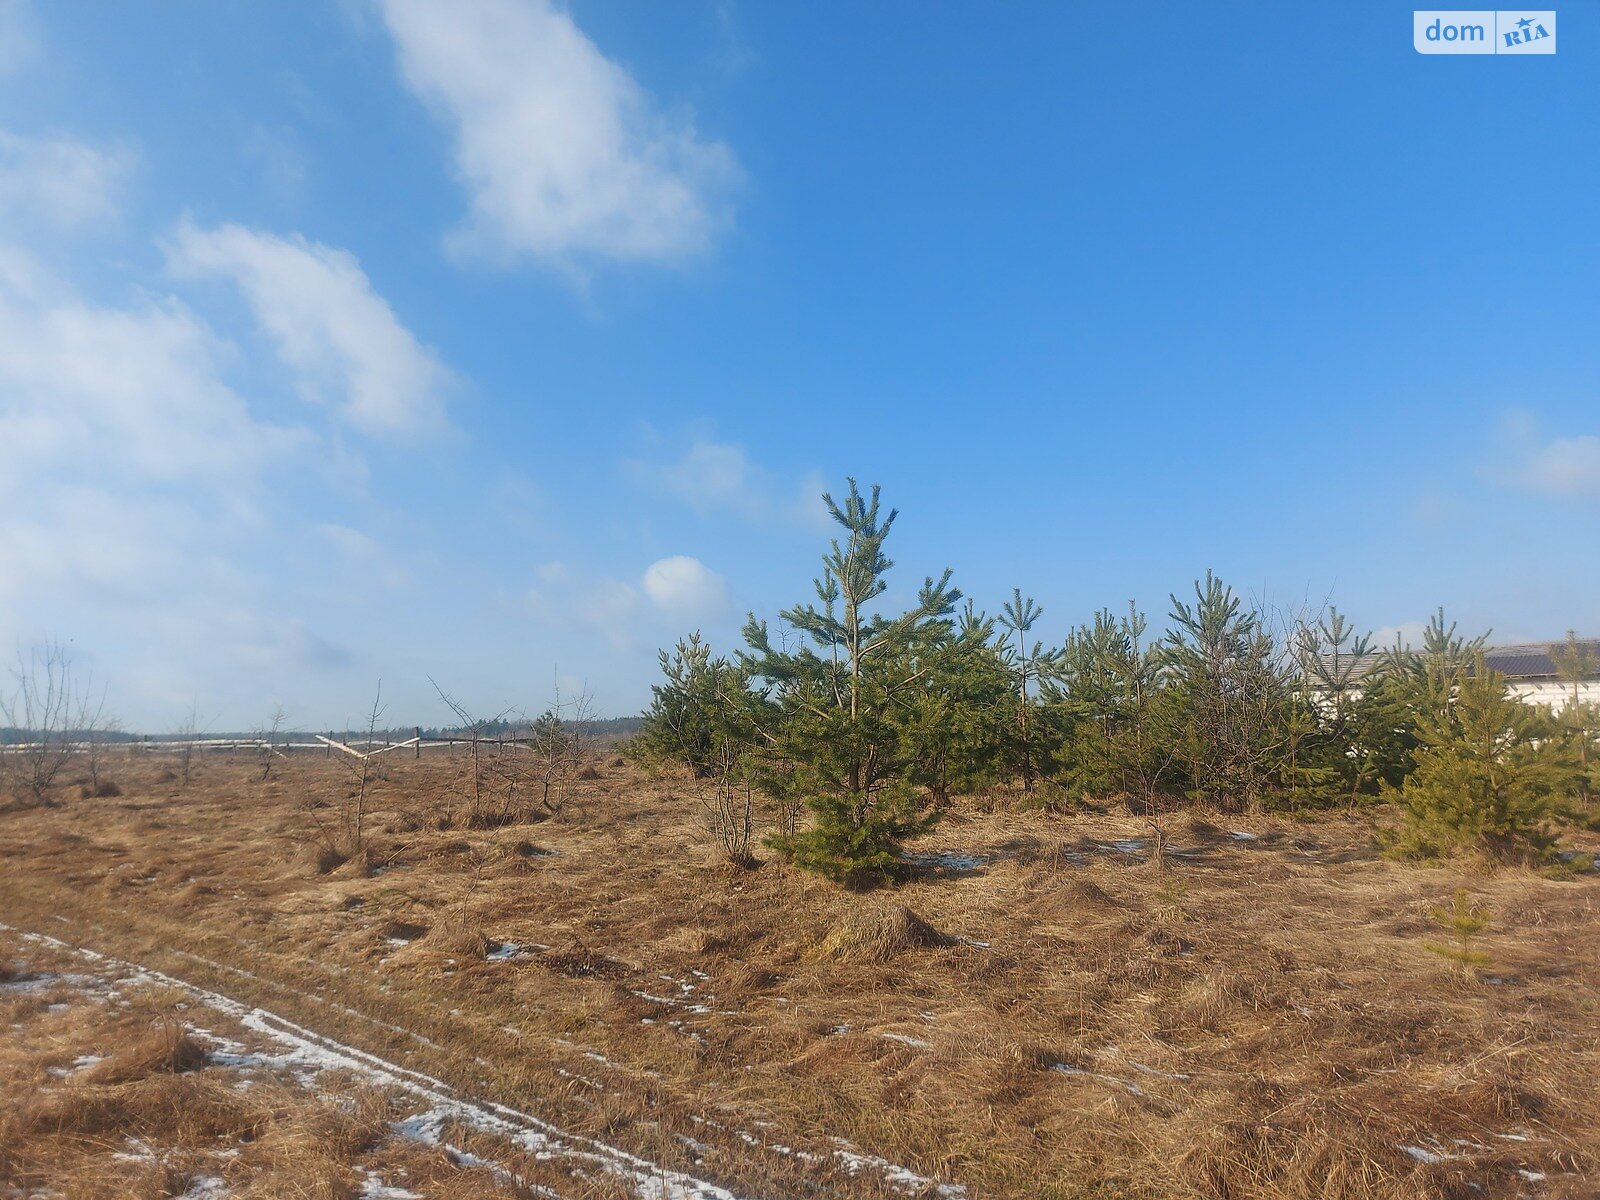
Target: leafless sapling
x,y
50,711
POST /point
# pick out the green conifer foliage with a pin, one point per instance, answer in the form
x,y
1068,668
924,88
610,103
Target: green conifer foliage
x,y
1576,665
1464,921
843,698
1227,698
1028,665
1486,769
680,725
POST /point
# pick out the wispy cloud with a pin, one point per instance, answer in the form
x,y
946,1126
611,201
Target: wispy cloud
x,y
711,476
59,181
341,339
129,462
1568,466
19,36
565,157
671,593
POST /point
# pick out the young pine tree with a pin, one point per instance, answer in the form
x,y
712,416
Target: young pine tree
x,y
681,723
1028,665
1227,697
1576,665
1464,921
1330,761
841,697
1486,768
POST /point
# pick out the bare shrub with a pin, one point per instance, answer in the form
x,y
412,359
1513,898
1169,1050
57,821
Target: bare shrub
x,y
557,741
49,712
268,736
338,843
490,795
186,732
730,817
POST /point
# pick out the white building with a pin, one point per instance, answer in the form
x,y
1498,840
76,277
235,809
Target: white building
x,y
1532,674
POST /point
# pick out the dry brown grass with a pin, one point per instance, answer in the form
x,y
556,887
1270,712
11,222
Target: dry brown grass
x,y
1257,1021
111,1095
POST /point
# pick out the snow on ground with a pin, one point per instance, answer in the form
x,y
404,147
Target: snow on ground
x,y
375,1189
308,1055
946,860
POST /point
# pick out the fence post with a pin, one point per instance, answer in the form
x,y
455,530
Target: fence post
x,y
419,741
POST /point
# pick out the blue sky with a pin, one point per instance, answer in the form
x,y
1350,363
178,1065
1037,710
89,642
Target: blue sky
x,y
502,341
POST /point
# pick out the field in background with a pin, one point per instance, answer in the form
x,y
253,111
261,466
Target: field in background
x,y
1039,1012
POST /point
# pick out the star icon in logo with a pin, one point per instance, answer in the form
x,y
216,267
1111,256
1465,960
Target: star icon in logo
x,y
1525,22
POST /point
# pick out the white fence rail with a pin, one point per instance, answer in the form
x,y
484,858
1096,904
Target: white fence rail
x,y
328,744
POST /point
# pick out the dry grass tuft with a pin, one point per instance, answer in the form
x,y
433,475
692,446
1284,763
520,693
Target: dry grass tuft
x,y
454,936
1085,894
875,932
320,858
164,1047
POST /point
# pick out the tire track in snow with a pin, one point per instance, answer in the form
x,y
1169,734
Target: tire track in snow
x,y
306,1047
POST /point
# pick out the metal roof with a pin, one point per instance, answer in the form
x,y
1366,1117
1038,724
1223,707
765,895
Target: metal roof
x,y
1527,661
1535,661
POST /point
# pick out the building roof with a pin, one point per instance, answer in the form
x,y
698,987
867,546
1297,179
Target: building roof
x,y
1536,662
1526,662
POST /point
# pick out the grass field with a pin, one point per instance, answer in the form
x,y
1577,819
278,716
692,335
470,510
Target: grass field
x,y
592,1006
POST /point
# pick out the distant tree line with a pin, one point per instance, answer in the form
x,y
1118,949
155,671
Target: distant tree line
x,y
871,722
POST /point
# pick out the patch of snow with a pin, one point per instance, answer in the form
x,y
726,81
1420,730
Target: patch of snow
x,y
1140,1067
204,1187
375,1189
315,1054
1128,1085
1424,1155
1240,835
907,1039
1530,1176
504,952
948,860
854,1161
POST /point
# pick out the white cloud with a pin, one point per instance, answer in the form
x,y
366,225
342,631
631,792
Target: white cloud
x,y
685,587
563,154
111,394
1566,466
59,181
128,468
364,556
1407,634
19,37
566,600
340,338
710,476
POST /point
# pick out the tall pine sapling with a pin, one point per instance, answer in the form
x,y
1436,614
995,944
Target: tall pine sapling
x,y
1017,617
1576,665
841,699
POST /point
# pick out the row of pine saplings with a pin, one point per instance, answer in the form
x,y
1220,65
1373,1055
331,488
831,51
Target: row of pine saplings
x,y
846,731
